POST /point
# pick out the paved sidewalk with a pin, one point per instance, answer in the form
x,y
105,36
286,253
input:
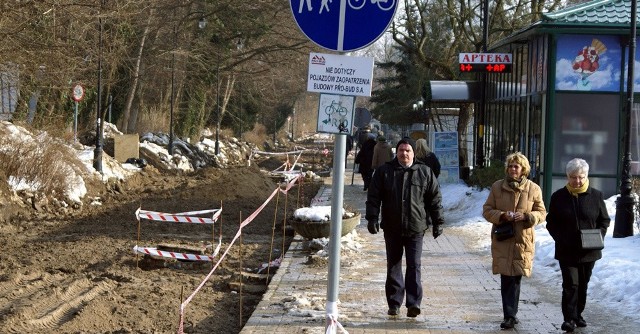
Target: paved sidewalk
x,y
461,295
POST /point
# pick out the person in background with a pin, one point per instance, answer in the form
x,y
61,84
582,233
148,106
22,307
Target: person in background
x,y
348,148
364,159
363,135
576,205
382,152
424,154
411,201
513,200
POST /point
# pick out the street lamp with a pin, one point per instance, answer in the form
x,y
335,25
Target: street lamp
x,y
97,154
625,203
202,23
239,46
418,106
217,146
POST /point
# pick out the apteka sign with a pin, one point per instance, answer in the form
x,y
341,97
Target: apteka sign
x,y
342,75
484,58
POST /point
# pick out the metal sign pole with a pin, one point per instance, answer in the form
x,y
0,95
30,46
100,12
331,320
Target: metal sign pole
x,y
337,194
335,30
75,123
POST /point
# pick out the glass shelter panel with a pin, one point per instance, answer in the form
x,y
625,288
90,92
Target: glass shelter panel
x,y
634,146
586,126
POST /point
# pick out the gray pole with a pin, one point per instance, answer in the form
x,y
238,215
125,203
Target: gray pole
x,y
75,123
625,202
337,194
480,155
97,153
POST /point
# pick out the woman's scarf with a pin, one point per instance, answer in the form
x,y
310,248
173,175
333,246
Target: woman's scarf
x,y
516,184
579,190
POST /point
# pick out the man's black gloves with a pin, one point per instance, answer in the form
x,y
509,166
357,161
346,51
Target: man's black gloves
x,y
436,230
373,227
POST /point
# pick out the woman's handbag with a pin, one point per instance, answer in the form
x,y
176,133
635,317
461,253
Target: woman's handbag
x,y
504,231
591,239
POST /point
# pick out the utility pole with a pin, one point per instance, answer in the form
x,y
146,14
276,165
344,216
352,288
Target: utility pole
x,y
483,89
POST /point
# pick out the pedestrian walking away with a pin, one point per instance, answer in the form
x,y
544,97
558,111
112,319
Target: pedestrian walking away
x,y
364,159
411,201
574,207
381,152
424,154
514,206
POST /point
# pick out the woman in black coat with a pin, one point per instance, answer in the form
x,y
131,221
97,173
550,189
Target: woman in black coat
x,y
576,206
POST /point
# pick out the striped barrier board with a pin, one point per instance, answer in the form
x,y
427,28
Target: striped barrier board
x,y
172,255
184,217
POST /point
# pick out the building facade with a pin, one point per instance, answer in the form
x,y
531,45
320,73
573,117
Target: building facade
x,y
566,96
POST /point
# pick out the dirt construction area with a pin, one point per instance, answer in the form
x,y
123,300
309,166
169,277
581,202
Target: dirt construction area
x,y
77,273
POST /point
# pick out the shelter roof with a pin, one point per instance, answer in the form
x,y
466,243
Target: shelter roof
x,y
609,12
451,91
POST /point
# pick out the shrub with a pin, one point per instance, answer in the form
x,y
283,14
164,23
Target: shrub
x,y
258,135
484,177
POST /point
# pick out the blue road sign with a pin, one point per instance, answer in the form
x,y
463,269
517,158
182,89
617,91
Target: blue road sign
x,y
343,25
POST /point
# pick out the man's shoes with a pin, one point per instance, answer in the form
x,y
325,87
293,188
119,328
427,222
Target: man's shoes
x,y
568,326
508,323
413,311
393,311
581,322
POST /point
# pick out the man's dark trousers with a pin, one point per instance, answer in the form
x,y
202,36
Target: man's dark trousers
x,y
395,286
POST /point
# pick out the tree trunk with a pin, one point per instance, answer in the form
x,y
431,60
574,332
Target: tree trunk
x,y
128,122
464,117
231,80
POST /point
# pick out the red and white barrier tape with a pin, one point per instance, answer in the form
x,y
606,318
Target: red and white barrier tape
x,y
172,255
244,223
184,217
277,153
275,263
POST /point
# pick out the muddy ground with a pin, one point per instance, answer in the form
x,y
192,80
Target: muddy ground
x,y
77,273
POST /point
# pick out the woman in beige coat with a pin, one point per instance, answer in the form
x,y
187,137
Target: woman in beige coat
x,y
518,201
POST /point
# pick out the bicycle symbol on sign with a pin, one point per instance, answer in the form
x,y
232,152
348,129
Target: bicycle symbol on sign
x,y
382,4
339,122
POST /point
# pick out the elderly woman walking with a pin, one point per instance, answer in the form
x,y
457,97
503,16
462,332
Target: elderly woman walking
x,y
514,206
573,207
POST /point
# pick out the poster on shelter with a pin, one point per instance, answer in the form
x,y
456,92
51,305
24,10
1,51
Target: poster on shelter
x,y
588,63
445,146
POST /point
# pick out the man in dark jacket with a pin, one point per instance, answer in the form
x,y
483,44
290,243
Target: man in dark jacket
x,y
411,201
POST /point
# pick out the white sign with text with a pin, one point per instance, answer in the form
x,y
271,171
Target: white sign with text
x,y
336,74
335,113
